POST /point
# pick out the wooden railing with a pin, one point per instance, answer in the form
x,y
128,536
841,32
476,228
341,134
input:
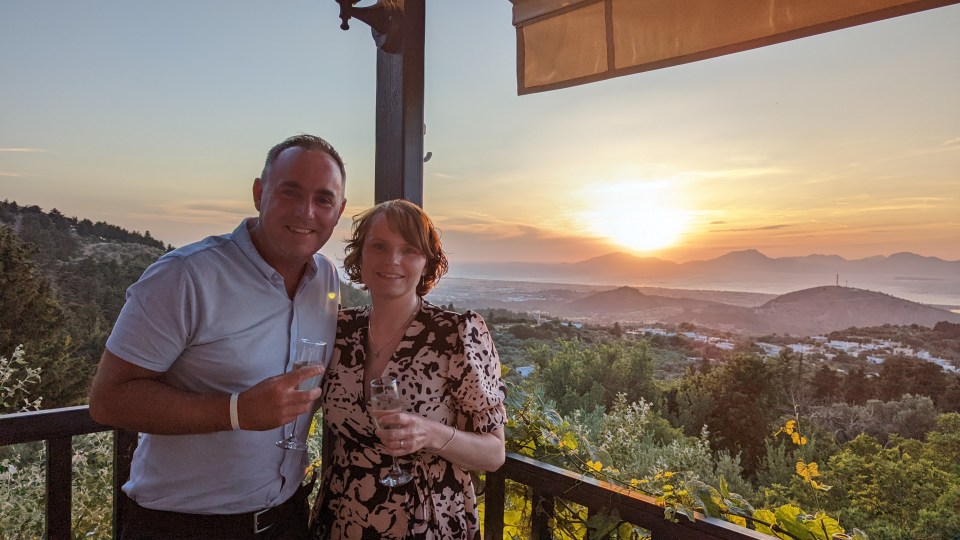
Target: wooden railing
x,y
546,484
56,428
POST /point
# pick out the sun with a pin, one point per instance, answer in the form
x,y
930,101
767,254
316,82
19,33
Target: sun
x,y
640,216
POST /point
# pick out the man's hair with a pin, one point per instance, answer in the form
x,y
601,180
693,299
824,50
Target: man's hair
x,y
307,142
416,228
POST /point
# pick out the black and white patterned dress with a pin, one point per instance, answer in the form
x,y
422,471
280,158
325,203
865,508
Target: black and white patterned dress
x,y
448,370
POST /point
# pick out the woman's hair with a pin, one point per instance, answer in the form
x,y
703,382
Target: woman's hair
x,y
416,228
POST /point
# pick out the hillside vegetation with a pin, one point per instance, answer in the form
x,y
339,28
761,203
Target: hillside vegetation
x,y
64,281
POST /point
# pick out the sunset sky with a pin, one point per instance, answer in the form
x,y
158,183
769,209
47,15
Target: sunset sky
x,y
156,115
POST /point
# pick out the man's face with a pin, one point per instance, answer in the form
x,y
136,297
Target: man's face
x,y
300,203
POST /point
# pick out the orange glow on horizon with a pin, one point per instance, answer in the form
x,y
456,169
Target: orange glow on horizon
x,y
641,216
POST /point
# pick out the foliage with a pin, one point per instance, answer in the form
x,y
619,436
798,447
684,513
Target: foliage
x,y
22,485
580,377
642,444
31,316
29,312
59,302
825,384
903,490
16,378
739,402
536,430
909,416
900,375
351,296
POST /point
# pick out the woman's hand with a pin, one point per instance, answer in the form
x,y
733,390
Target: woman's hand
x,y
406,433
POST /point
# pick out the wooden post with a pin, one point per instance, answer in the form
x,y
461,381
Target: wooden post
x,y
59,491
399,155
399,32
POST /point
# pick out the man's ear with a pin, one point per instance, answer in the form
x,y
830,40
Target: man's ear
x,y
257,192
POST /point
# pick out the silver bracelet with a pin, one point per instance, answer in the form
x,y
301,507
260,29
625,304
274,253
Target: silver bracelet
x,y
446,444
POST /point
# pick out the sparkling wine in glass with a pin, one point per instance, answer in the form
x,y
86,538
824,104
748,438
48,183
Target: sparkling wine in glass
x,y
309,353
384,401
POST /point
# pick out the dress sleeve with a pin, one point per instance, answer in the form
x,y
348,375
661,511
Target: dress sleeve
x,y
475,377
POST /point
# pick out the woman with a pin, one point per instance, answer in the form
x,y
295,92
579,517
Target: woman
x,y
448,372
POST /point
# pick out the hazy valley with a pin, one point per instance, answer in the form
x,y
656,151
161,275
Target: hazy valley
x,y
742,292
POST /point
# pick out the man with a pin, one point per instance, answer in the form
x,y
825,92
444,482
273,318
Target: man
x,y
200,359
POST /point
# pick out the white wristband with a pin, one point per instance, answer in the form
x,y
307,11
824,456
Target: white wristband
x,y
234,416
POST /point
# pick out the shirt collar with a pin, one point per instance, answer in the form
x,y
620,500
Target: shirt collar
x,y
241,237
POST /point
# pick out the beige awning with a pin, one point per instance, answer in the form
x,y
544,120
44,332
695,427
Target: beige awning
x,y
563,43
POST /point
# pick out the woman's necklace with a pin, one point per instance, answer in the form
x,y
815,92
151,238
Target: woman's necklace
x,y
400,331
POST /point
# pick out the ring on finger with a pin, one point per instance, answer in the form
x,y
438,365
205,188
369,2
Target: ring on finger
x,y
401,443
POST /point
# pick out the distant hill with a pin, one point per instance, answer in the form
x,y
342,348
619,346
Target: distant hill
x,y
52,231
814,311
623,265
925,279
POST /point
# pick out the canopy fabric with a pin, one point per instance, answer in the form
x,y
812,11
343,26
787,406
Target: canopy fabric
x,y
563,43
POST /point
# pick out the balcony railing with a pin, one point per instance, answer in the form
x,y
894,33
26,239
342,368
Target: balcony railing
x,y
545,484
56,428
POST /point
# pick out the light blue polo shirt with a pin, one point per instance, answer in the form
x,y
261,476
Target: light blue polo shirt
x,y
215,317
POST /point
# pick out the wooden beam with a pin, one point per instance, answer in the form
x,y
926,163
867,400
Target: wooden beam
x,y
399,154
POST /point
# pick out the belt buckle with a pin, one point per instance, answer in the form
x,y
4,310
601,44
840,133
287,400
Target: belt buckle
x,y
257,529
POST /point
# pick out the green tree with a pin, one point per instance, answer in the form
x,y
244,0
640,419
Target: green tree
x,y
750,398
351,296
949,401
29,312
616,331
856,387
689,402
578,376
898,491
825,384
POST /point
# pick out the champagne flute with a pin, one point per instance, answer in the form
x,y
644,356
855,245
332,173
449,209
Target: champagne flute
x,y
309,353
385,400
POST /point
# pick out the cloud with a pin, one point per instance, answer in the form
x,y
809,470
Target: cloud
x,y
946,146
445,176
23,150
11,174
522,244
764,228
212,211
744,172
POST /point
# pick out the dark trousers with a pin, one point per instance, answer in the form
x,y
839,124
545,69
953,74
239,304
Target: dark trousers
x,y
288,522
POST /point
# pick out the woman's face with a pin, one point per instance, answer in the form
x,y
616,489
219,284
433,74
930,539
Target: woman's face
x,y
389,266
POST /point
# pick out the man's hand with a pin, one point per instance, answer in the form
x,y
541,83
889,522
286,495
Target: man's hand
x,y
276,401
128,396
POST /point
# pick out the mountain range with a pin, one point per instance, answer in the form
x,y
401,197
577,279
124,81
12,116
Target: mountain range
x,y
928,280
623,265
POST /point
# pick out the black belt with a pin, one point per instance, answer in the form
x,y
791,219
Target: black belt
x,y
246,525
